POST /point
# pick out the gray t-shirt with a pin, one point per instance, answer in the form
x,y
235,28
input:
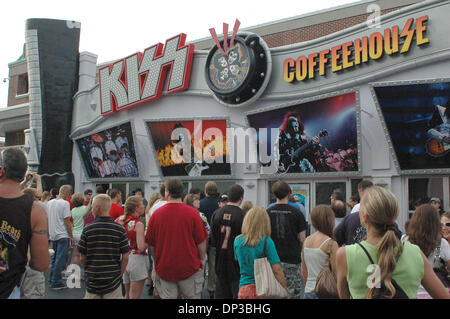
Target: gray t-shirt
x,y
58,210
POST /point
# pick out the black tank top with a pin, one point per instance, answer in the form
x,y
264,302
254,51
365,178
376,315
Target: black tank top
x,y
15,235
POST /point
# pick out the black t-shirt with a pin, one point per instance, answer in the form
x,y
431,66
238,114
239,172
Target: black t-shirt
x,y
350,231
287,222
15,236
226,225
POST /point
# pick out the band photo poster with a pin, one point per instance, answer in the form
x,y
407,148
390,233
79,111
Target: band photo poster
x,y
417,117
314,137
109,153
206,155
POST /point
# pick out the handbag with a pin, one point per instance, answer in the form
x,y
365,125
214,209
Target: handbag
x,y
440,267
267,286
326,281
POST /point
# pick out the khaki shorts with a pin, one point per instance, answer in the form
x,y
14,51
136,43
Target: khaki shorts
x,y
190,288
137,268
116,294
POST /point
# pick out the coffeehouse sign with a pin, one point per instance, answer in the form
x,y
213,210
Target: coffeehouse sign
x,y
359,51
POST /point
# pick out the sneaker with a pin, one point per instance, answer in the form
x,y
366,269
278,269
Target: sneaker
x,y
58,287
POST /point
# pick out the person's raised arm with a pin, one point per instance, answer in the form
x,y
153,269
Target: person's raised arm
x,y
25,181
37,178
39,254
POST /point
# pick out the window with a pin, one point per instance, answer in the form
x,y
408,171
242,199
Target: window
x,y
325,189
22,84
15,138
420,190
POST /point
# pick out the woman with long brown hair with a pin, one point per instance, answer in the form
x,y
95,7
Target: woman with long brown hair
x,y
424,230
404,263
138,264
318,247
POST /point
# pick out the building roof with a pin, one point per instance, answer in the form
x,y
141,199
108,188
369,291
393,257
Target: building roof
x,y
315,24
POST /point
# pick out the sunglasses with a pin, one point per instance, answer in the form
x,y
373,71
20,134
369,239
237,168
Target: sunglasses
x,y
445,224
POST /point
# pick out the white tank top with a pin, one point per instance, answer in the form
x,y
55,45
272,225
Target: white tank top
x,y
315,259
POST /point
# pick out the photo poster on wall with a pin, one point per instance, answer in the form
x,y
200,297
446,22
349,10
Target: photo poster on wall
x,y
301,193
331,121
109,153
208,153
417,117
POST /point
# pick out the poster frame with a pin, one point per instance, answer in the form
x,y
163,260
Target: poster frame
x,y
372,87
280,106
182,177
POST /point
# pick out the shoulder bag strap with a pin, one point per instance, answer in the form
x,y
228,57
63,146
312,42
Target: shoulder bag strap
x,y
265,248
367,253
329,253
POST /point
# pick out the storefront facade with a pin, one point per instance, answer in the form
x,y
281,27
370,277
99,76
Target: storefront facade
x,y
360,85
374,94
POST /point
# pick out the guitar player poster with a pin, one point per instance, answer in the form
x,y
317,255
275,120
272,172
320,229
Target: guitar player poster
x,y
205,155
417,117
314,137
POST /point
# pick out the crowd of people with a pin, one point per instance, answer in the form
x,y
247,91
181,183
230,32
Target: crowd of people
x,y
179,244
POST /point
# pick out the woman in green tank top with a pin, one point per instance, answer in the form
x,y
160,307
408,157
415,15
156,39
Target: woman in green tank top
x,y
406,264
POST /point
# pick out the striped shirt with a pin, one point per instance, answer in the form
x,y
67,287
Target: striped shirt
x,y
103,242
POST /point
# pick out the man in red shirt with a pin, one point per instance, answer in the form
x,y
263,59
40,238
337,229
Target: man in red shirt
x,y
176,237
116,206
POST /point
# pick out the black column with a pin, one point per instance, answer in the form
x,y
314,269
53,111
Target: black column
x,y
58,43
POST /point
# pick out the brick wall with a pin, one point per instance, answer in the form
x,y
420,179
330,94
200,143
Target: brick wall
x,y
316,31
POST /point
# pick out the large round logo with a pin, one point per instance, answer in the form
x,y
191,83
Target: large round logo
x,y
239,74
228,72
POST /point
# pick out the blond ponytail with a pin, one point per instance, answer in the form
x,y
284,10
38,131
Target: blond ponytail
x,y
381,208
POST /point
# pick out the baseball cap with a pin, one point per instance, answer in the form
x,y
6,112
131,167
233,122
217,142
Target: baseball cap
x,y
223,198
435,199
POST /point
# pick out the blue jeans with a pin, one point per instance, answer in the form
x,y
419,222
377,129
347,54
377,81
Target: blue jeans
x,y
311,295
15,294
59,260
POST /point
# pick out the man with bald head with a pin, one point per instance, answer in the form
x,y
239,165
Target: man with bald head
x,y
339,209
60,228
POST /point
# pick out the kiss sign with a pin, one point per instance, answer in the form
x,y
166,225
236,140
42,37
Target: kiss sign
x,y
140,77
